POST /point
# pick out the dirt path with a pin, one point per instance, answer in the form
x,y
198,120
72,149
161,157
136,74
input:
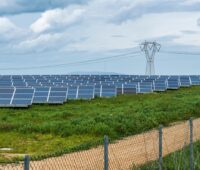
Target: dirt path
x,y
133,150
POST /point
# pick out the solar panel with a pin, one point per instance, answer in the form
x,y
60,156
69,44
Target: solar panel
x,y
21,102
118,84
97,90
5,78
6,95
6,90
5,102
173,84
145,87
119,90
6,84
16,77
41,95
108,91
195,80
153,77
85,92
58,88
131,85
185,81
160,85
19,84
130,90
57,95
127,88
72,92
39,99
22,97
56,100
24,90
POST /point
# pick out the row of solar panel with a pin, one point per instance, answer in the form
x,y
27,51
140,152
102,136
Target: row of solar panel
x,y
181,82
90,77
23,97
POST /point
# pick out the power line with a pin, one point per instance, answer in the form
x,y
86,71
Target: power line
x,y
98,60
180,52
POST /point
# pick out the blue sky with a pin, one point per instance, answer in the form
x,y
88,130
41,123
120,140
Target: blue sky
x,y
48,32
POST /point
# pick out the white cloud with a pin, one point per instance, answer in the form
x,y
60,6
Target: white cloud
x,y
191,2
93,21
107,10
96,28
8,7
40,43
6,3
57,19
91,28
198,21
6,25
132,32
9,32
188,39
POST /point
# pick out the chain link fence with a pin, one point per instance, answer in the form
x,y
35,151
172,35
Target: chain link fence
x,y
13,166
174,147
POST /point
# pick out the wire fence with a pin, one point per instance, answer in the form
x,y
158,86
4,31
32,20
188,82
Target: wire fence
x,y
175,147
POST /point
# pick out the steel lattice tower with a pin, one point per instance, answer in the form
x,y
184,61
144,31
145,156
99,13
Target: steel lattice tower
x,y
150,48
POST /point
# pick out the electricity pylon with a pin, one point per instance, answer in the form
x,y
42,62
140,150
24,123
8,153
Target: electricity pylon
x,y
150,48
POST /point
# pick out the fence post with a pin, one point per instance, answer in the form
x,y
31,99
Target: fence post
x,y
160,148
26,162
191,145
105,152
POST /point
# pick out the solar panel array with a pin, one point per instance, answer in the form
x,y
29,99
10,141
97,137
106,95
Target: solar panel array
x,y
25,90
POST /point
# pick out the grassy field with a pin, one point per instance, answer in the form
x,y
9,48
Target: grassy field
x,y
48,129
177,160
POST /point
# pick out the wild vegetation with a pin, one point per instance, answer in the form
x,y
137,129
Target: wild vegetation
x,y
177,160
43,130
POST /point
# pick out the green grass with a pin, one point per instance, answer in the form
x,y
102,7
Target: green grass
x,y
177,160
48,129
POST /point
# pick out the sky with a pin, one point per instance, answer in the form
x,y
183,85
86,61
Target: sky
x,y
50,36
